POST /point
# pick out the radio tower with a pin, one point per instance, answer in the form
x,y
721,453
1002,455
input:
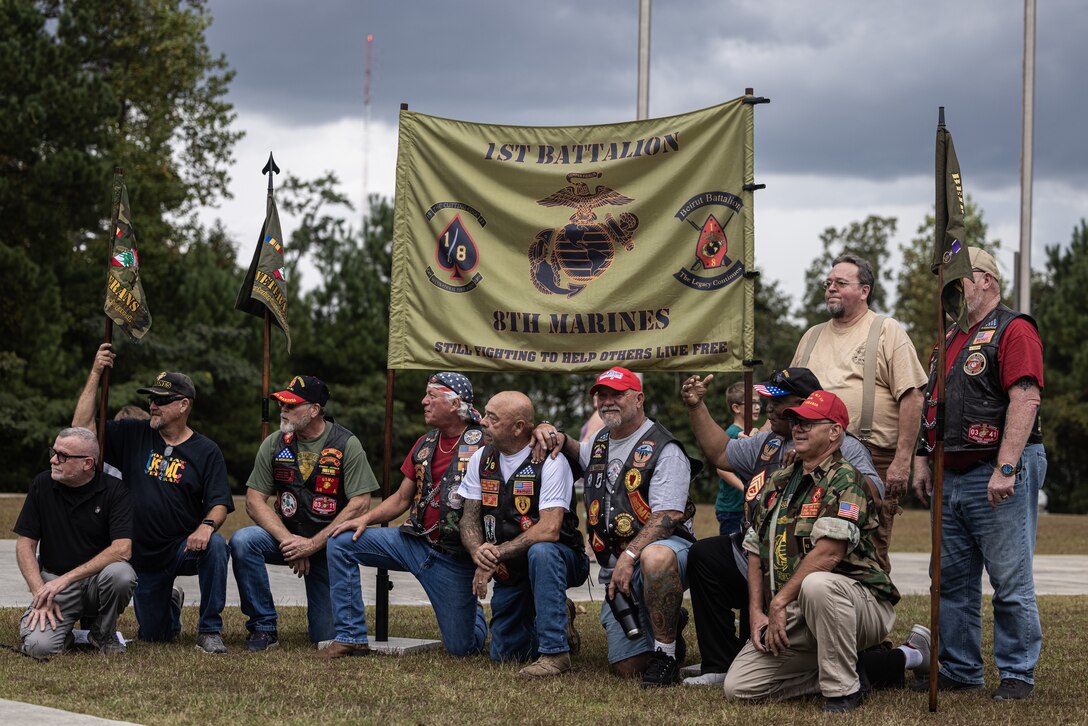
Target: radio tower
x,y
366,122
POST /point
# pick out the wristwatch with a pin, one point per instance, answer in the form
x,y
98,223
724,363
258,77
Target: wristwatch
x,y
1007,469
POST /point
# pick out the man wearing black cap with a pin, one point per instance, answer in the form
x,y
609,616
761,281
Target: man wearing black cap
x,y
718,566
319,475
429,544
637,477
177,481
817,593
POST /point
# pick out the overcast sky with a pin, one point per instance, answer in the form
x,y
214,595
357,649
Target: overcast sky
x,y
854,88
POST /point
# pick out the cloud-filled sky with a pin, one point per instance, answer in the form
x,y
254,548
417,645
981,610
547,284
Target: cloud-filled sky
x,y
854,88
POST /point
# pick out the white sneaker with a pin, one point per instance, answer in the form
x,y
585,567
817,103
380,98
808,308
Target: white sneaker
x,y
707,679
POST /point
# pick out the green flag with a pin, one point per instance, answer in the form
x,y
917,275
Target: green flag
x,y
265,285
950,248
574,248
125,302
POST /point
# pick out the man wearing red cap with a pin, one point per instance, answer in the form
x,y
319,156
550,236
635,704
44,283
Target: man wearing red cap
x,y
638,519
428,545
817,594
319,475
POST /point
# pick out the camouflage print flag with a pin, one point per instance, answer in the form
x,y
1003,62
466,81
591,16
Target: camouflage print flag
x,y
950,245
125,302
574,248
265,285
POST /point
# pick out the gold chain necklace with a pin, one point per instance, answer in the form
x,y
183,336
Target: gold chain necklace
x,y
454,444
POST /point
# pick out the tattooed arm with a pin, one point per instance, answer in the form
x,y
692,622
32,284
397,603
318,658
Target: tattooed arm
x,y
484,554
661,525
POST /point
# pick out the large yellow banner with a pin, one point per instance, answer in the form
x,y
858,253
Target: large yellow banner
x,y
574,248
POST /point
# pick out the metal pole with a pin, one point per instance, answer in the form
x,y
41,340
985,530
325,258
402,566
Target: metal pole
x,y
643,106
1027,141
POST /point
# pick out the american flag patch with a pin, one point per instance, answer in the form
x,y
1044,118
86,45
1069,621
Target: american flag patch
x,y
849,511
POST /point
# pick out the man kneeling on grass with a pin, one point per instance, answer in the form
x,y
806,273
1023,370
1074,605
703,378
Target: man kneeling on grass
x,y
520,529
816,593
83,521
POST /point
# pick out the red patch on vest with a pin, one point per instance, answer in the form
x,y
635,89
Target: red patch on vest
x,y
983,433
639,506
325,506
596,543
326,484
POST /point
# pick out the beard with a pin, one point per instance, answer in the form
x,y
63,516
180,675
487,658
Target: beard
x,y
836,309
290,428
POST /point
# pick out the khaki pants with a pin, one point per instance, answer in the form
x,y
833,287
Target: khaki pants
x,y
882,537
833,618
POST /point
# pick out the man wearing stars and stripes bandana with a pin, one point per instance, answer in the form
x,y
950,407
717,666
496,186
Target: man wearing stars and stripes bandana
x,y
428,545
812,570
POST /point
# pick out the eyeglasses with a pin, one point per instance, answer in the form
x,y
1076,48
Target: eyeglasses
x,y
828,284
63,458
164,400
804,426
293,406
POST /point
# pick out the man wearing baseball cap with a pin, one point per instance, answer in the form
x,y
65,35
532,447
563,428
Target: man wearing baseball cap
x,y
428,545
718,566
319,475
638,521
177,482
812,566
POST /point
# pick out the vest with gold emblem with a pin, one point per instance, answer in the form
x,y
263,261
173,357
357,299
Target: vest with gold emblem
x,y
613,518
306,506
444,495
509,508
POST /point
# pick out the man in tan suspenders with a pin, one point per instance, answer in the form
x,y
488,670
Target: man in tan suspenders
x,y
869,362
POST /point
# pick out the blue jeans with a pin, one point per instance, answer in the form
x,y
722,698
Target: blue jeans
x,y
619,646
446,580
1002,540
729,522
159,619
253,547
529,617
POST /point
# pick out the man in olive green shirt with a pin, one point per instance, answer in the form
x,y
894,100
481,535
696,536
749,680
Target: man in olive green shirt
x,y
319,475
816,594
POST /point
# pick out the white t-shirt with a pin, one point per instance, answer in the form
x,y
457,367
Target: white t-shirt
x,y
672,472
556,478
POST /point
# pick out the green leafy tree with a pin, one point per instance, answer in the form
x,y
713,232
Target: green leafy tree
x,y
916,287
869,239
1063,324
88,86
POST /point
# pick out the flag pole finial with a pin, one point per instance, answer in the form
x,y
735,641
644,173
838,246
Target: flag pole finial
x,y
940,118
270,168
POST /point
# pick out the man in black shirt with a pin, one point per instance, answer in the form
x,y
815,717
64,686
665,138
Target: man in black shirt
x,y
83,522
178,483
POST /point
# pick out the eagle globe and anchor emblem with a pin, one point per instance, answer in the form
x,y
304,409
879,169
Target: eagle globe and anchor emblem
x,y
583,250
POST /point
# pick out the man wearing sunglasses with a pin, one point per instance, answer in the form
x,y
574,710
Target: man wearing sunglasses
x,y
871,364
319,476
82,521
718,566
177,481
817,593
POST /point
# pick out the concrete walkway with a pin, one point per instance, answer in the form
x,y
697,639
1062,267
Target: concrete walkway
x,y
1054,575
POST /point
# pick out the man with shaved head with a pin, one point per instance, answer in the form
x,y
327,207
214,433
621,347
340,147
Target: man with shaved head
x,y
520,529
82,521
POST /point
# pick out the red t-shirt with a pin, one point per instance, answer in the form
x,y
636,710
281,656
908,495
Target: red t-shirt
x,y
440,461
1019,355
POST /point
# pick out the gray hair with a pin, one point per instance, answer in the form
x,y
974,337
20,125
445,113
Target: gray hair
x,y
90,441
865,272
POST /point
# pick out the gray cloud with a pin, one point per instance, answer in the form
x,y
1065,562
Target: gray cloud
x,y
854,85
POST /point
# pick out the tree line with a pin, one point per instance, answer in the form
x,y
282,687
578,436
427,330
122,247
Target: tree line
x,y
89,86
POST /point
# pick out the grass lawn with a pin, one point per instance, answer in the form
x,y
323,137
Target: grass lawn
x,y
175,684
